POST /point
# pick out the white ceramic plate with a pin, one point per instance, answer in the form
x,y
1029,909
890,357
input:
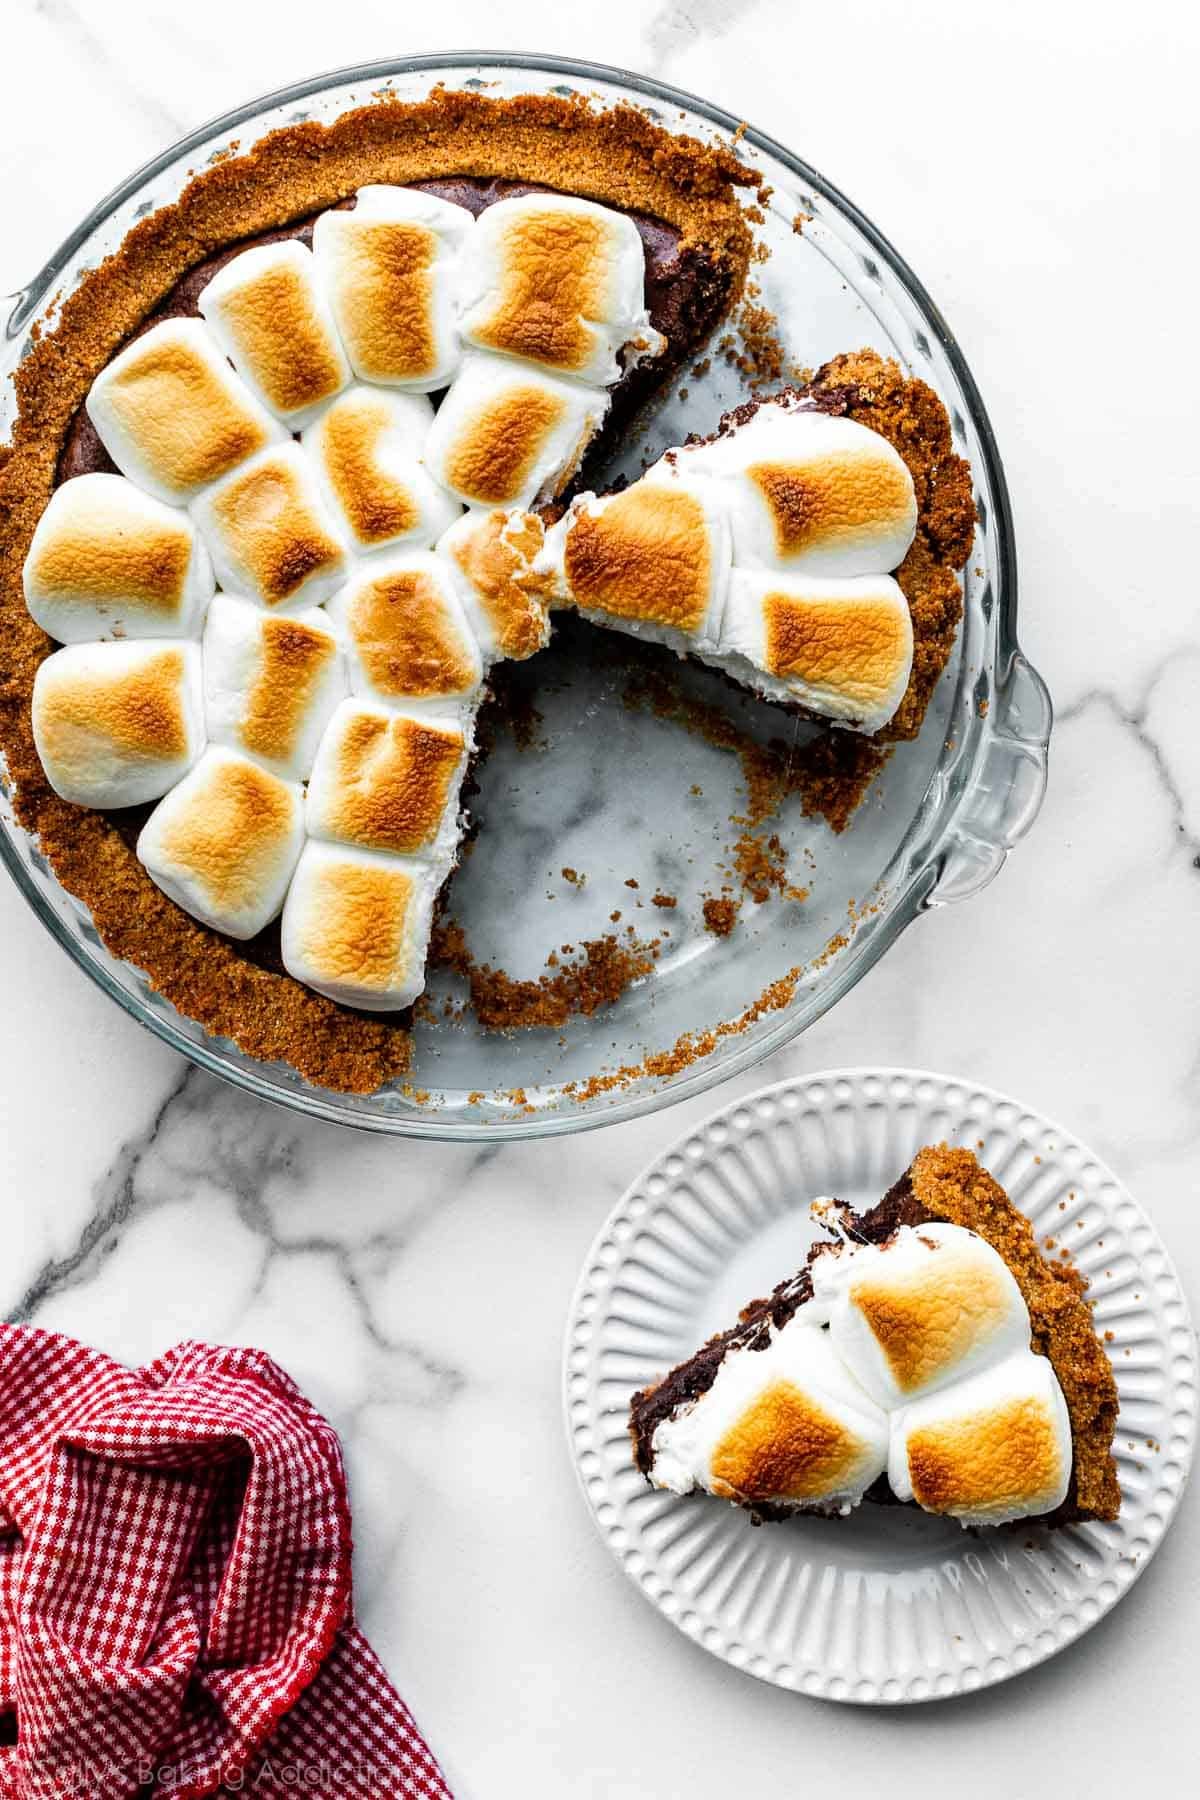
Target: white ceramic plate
x,y
889,1605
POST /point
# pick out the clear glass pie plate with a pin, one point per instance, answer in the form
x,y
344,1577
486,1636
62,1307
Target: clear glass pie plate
x,y
615,793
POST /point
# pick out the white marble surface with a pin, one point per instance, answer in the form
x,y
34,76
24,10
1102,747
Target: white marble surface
x,y
1035,163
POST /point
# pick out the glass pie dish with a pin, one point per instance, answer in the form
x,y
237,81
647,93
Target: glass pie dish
x,y
609,807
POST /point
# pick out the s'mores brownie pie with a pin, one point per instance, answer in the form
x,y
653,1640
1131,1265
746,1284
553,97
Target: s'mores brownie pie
x,y
268,314
390,269
958,1371
356,926
559,282
271,533
508,434
223,844
301,429
406,634
388,781
117,724
368,448
109,561
172,414
717,552
271,683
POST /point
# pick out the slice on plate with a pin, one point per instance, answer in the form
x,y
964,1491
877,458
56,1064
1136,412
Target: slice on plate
x,y
926,1353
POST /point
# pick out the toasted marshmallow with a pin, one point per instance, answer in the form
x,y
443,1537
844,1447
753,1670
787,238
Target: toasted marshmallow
x,y
388,781
507,435
406,634
271,685
810,492
356,926
272,320
108,561
173,415
224,843
993,1448
841,649
560,282
270,533
931,1305
653,561
787,1425
367,448
506,596
118,724
390,270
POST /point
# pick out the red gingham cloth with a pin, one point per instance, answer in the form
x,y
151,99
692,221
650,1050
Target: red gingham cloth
x,y
175,1603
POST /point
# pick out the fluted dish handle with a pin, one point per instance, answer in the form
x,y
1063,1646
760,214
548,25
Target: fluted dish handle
x,y
1008,787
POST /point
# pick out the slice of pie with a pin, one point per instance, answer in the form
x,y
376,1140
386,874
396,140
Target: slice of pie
x,y
926,1354
318,448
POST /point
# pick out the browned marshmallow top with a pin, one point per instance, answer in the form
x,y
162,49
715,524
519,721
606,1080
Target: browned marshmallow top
x,y
645,555
392,781
294,658
785,1445
854,646
272,529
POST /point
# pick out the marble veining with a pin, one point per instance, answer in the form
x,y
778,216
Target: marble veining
x,y
418,1291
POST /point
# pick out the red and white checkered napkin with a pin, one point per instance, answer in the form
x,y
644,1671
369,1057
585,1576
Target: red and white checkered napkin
x,y
175,1606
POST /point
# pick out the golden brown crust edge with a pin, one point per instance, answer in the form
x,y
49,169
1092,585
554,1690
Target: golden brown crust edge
x,y
907,412
619,157
951,1184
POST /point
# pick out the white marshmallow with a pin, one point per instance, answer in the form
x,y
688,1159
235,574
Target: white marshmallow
x,y
840,649
356,926
173,415
271,534
406,634
508,435
390,270
653,560
930,1306
494,560
810,492
109,561
269,315
118,724
224,843
367,448
989,1449
785,1425
271,685
560,282
388,781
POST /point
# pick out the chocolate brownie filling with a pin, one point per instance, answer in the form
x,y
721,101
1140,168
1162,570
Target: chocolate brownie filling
x,y
948,1185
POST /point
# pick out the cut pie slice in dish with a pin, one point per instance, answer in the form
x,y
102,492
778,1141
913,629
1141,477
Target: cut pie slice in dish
x,y
926,1353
